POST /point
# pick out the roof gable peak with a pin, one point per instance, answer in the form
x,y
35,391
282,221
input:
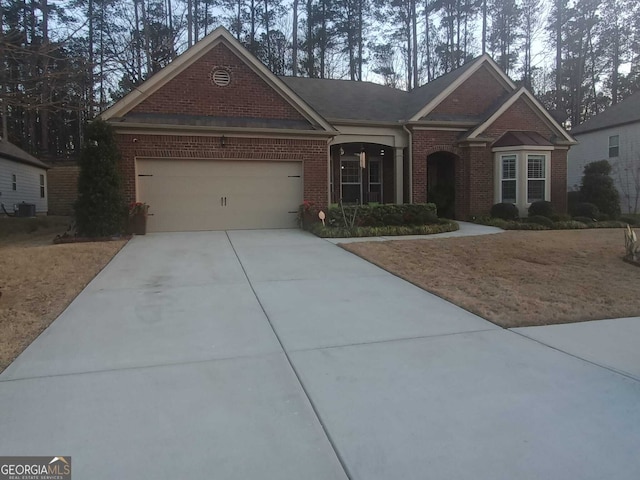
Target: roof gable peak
x,y
218,36
537,107
472,67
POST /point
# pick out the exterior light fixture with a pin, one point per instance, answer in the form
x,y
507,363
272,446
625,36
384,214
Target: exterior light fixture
x,y
222,141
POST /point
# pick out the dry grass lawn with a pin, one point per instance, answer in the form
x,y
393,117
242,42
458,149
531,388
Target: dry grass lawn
x,y
38,280
520,278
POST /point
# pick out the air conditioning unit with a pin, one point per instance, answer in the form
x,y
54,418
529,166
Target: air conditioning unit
x,y
26,210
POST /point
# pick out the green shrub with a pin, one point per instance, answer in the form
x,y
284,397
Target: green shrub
x,y
444,196
541,208
391,230
573,198
390,219
560,217
585,220
540,220
608,224
505,211
524,226
381,215
629,219
585,209
598,188
100,209
489,221
569,225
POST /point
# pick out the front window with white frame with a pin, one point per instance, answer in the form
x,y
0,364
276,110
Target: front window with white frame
x,y
351,180
522,176
614,146
536,177
375,180
508,179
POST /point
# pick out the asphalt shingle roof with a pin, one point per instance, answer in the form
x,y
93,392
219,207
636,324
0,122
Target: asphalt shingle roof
x,y
627,111
421,96
351,100
516,138
12,152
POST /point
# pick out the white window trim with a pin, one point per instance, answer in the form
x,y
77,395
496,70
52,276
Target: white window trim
x,y
379,161
613,146
522,173
350,160
359,183
501,174
547,179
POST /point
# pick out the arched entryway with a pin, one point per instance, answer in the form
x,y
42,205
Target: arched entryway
x,y
441,182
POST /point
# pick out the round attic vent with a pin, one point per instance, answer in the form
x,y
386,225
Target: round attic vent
x,y
220,77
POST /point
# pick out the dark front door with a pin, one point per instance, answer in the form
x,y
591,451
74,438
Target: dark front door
x,y
441,188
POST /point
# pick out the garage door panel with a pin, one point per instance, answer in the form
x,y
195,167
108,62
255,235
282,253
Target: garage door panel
x,y
216,195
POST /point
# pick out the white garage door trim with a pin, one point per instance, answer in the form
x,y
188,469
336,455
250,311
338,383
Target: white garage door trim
x,y
203,194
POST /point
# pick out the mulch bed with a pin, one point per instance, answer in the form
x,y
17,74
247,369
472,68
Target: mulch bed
x,y
69,239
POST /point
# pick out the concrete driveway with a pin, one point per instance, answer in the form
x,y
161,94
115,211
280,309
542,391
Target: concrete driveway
x,y
277,355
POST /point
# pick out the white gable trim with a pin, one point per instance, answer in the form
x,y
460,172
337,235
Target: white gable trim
x,y
193,54
483,60
537,107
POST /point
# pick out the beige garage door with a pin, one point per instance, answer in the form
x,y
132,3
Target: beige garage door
x,y
189,195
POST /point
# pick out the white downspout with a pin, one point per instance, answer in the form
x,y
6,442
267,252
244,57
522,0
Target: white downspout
x,y
329,172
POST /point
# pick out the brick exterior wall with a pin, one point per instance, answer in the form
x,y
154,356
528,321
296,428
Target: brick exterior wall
x,y
480,182
475,96
313,154
559,180
426,142
62,182
192,92
520,116
474,167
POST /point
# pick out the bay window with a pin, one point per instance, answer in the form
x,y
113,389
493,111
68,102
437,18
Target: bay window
x,y
522,176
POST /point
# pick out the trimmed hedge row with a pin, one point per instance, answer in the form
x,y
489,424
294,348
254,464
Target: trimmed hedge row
x,y
383,215
384,231
538,224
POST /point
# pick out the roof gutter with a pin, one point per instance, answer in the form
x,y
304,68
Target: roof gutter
x,y
367,123
443,123
121,127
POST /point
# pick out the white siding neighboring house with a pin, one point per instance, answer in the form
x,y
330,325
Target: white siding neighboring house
x,y
23,178
613,135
